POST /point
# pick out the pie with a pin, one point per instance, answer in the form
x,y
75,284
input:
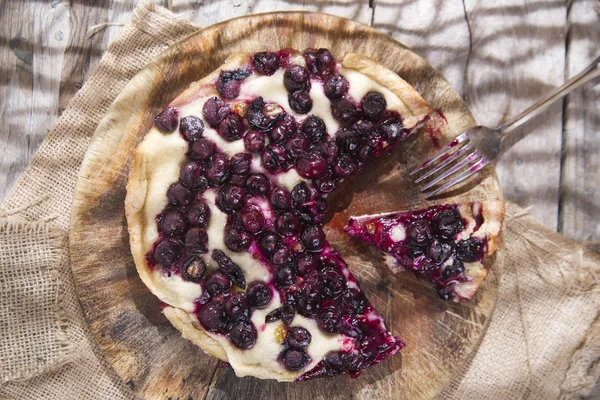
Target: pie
x,y
445,244
225,204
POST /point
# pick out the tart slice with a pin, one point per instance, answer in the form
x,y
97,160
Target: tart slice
x,y
225,205
445,244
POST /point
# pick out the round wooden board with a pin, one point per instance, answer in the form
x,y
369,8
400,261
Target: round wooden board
x,y
148,353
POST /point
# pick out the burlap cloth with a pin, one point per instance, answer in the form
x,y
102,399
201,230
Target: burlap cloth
x,y
543,341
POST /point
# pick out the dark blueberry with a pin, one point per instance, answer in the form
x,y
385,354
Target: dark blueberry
x,y
273,316
300,194
419,231
231,128
167,120
236,307
321,205
295,78
237,240
351,326
217,283
212,317
306,263
363,127
238,180
311,164
345,166
312,60
298,337
218,171
325,184
243,334
339,361
192,128
196,240
265,63
287,223
285,127
285,276
344,110
190,174
229,268
263,116
281,256
179,195
353,301
373,105
366,153
309,298
268,242
257,184
280,154
329,320
469,250
445,292
167,252
332,283
314,129
215,110
294,359
269,160
319,62
231,198
391,130
313,238
280,198
330,150
228,83
203,148
193,268
349,141
287,313
439,250
296,145
198,214
172,223
254,141
300,101
447,223
335,87
453,269
415,250
258,294
240,163
251,219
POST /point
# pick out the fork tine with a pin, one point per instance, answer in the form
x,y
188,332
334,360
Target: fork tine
x,y
457,140
475,168
452,170
454,156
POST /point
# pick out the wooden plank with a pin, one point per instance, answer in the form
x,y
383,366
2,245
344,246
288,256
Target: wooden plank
x,y
517,55
580,183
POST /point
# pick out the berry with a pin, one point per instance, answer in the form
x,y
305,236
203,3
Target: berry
x,y
236,307
167,120
285,276
191,128
469,250
391,130
190,175
280,198
251,219
215,110
231,128
240,163
447,223
287,223
179,195
237,240
295,78
167,252
193,268
257,184
453,269
439,250
296,145
203,148
300,101
345,166
281,256
231,198
294,359
258,294
268,242
298,337
344,110
254,141
306,263
212,317
228,83
285,127
172,223
329,320
314,129
196,240
373,105
263,116
198,214
218,171
311,164
335,87
313,238
243,334
300,194
229,268
265,63
330,150
419,231
217,283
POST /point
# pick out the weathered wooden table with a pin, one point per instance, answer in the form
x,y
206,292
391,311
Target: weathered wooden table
x,y
501,56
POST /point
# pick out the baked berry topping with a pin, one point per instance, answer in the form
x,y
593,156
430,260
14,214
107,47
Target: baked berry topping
x,y
217,283
198,214
284,128
295,78
196,240
203,149
344,110
265,63
280,198
243,334
179,195
287,223
314,129
296,145
229,268
231,198
294,359
167,252
237,240
300,101
228,84
325,184
306,263
447,223
287,313
236,307
469,250
190,175
251,219
193,268
218,171
311,164
285,276
212,317
330,150
391,130
300,194
329,320
258,184
258,294
298,337
349,141
335,87
167,120
313,238
339,361
263,116
281,256
172,223
373,105
319,62
254,141
345,166
215,110
268,242
439,250
231,128
191,128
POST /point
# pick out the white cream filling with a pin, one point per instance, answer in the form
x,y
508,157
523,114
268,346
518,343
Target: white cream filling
x,y
398,233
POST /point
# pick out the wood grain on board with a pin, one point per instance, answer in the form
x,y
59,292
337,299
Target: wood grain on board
x,y
140,344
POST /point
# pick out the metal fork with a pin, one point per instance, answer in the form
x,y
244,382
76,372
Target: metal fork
x,y
479,146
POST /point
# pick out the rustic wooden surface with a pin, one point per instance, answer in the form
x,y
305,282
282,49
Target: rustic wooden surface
x,y
498,55
126,319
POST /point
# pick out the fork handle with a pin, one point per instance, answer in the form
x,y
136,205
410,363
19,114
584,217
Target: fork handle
x,y
584,76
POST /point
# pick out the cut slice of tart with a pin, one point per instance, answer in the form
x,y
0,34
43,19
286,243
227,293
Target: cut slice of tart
x,y
225,205
445,244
